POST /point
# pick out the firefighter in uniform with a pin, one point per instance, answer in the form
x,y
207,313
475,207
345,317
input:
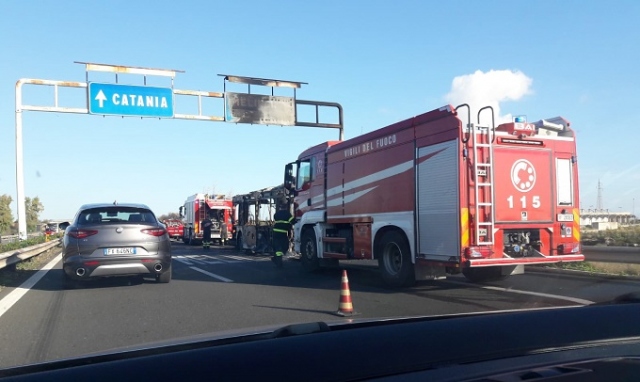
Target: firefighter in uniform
x,y
206,233
281,229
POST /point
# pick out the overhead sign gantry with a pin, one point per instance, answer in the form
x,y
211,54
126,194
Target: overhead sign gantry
x,y
117,99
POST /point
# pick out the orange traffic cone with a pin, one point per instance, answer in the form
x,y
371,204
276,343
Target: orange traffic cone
x,y
345,308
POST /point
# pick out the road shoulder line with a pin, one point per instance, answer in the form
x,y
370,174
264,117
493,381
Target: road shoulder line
x,y
518,291
226,280
9,300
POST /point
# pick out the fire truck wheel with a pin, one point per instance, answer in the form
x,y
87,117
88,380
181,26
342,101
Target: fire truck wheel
x,y
309,255
478,275
394,260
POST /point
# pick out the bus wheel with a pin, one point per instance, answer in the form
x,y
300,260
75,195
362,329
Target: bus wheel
x,y
239,240
394,260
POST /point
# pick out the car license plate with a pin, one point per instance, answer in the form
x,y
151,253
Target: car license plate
x,y
565,217
119,251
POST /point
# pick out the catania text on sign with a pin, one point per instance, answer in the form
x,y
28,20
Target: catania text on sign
x,y
138,100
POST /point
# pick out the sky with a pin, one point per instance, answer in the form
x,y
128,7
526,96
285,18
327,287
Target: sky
x,y
382,61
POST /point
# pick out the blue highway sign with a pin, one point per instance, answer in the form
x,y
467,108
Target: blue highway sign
x,y
129,100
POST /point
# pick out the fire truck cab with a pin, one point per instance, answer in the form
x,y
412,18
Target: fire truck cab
x,y
433,195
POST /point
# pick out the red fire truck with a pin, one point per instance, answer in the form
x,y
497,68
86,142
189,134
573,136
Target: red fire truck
x,y
198,207
433,195
175,228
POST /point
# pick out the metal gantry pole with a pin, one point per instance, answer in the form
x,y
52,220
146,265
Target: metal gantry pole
x,y
21,107
22,221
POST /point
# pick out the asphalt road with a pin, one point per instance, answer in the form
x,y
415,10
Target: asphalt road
x,y
224,289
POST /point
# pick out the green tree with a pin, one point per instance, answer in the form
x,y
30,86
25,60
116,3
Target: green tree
x,y
6,217
33,209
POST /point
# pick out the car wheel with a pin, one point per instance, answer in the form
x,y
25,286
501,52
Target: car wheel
x,y
394,260
309,251
164,277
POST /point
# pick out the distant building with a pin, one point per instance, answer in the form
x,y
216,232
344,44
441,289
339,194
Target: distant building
x,y
601,226
596,217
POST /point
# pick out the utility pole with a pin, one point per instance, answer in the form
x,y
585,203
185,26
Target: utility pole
x,y
599,203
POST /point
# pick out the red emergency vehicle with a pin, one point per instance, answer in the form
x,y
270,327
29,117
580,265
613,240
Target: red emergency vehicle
x,y
198,207
175,228
433,195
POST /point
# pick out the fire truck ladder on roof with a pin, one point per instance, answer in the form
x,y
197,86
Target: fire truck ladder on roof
x,y
482,146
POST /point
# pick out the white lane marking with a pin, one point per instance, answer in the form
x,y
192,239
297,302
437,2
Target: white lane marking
x,y
15,295
234,257
196,260
226,280
538,294
182,260
261,258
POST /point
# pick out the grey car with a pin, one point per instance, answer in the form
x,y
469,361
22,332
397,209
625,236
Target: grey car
x,y
116,240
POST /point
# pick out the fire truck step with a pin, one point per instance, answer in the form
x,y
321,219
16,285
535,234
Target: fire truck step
x,y
334,240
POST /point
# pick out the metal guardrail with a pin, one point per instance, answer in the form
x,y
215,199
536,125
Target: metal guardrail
x,y
13,238
622,255
8,238
17,255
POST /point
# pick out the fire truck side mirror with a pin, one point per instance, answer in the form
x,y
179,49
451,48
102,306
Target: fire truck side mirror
x,y
289,178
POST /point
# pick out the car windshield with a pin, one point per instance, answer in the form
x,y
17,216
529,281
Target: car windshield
x,y
229,166
115,214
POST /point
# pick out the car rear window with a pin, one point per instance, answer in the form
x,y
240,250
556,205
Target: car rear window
x,y
116,214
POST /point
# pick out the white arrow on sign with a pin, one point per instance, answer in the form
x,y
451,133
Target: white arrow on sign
x,y
100,97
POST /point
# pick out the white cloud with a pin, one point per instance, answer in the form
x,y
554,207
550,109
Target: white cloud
x,y
488,89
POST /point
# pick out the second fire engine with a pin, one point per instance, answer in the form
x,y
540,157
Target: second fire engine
x,y
198,207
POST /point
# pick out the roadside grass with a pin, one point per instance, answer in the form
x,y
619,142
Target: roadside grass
x,y
12,246
617,269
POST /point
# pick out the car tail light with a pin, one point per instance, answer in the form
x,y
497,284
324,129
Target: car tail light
x,y
477,252
92,263
154,231
82,233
